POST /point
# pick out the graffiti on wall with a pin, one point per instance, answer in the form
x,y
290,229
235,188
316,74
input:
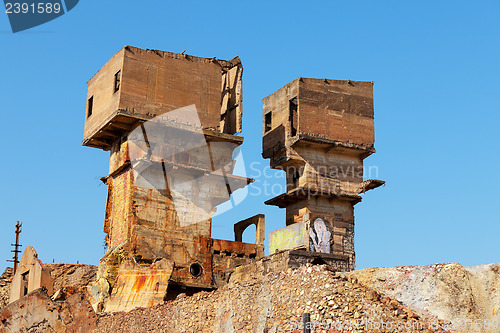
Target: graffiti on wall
x,y
320,236
292,237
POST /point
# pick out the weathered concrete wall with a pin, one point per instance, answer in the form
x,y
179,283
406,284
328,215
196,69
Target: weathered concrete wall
x,y
37,312
294,236
153,82
104,99
158,82
276,125
138,286
337,110
338,239
118,218
30,275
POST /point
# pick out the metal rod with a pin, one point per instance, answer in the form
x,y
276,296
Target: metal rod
x,y
306,322
16,246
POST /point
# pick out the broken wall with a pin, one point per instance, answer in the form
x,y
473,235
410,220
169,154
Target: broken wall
x,y
30,275
37,312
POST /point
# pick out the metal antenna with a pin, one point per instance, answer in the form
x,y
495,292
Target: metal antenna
x,y
16,246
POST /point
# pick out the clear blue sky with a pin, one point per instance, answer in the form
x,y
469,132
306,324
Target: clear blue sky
x,y
437,82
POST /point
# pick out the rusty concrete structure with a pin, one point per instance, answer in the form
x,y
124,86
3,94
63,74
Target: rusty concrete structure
x,y
155,248
319,131
29,276
66,311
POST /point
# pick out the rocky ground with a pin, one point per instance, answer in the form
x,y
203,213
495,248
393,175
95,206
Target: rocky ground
x,y
400,299
71,275
5,280
275,303
467,296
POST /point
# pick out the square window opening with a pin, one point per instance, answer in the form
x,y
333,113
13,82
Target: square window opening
x,y
293,116
90,106
118,80
267,122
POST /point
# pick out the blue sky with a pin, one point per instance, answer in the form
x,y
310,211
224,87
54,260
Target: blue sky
x,y
437,81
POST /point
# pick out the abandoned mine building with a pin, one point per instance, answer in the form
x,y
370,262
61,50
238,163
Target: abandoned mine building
x,y
170,122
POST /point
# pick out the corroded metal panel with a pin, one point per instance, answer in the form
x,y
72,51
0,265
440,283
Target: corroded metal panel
x,y
292,237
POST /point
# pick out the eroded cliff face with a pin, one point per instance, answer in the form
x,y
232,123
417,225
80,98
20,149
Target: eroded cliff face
x,y
469,297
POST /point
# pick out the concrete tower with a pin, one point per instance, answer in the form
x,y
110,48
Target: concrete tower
x,y
319,132
169,121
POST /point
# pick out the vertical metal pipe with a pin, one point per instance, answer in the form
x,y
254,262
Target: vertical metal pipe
x,y
306,322
16,246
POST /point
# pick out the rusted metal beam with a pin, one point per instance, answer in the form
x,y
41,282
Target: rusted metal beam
x,y
16,246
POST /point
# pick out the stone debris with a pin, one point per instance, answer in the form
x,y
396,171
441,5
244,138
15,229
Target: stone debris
x,y
275,303
67,311
469,297
5,280
71,275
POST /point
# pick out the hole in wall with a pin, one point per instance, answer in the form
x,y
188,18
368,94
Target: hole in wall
x,y
195,269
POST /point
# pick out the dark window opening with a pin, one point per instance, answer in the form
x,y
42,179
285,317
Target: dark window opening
x,y
25,278
240,255
195,269
252,255
90,106
318,261
117,80
267,122
295,178
292,118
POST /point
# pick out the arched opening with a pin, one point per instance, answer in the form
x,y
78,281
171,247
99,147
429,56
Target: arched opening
x,y
249,234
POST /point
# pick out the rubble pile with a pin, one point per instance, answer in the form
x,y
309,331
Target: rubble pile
x,y
67,311
71,275
275,302
467,296
5,280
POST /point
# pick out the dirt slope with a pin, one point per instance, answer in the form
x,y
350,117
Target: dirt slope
x,y
469,297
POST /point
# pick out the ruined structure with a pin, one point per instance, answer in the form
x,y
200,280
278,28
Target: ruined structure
x,y
29,276
319,132
169,121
